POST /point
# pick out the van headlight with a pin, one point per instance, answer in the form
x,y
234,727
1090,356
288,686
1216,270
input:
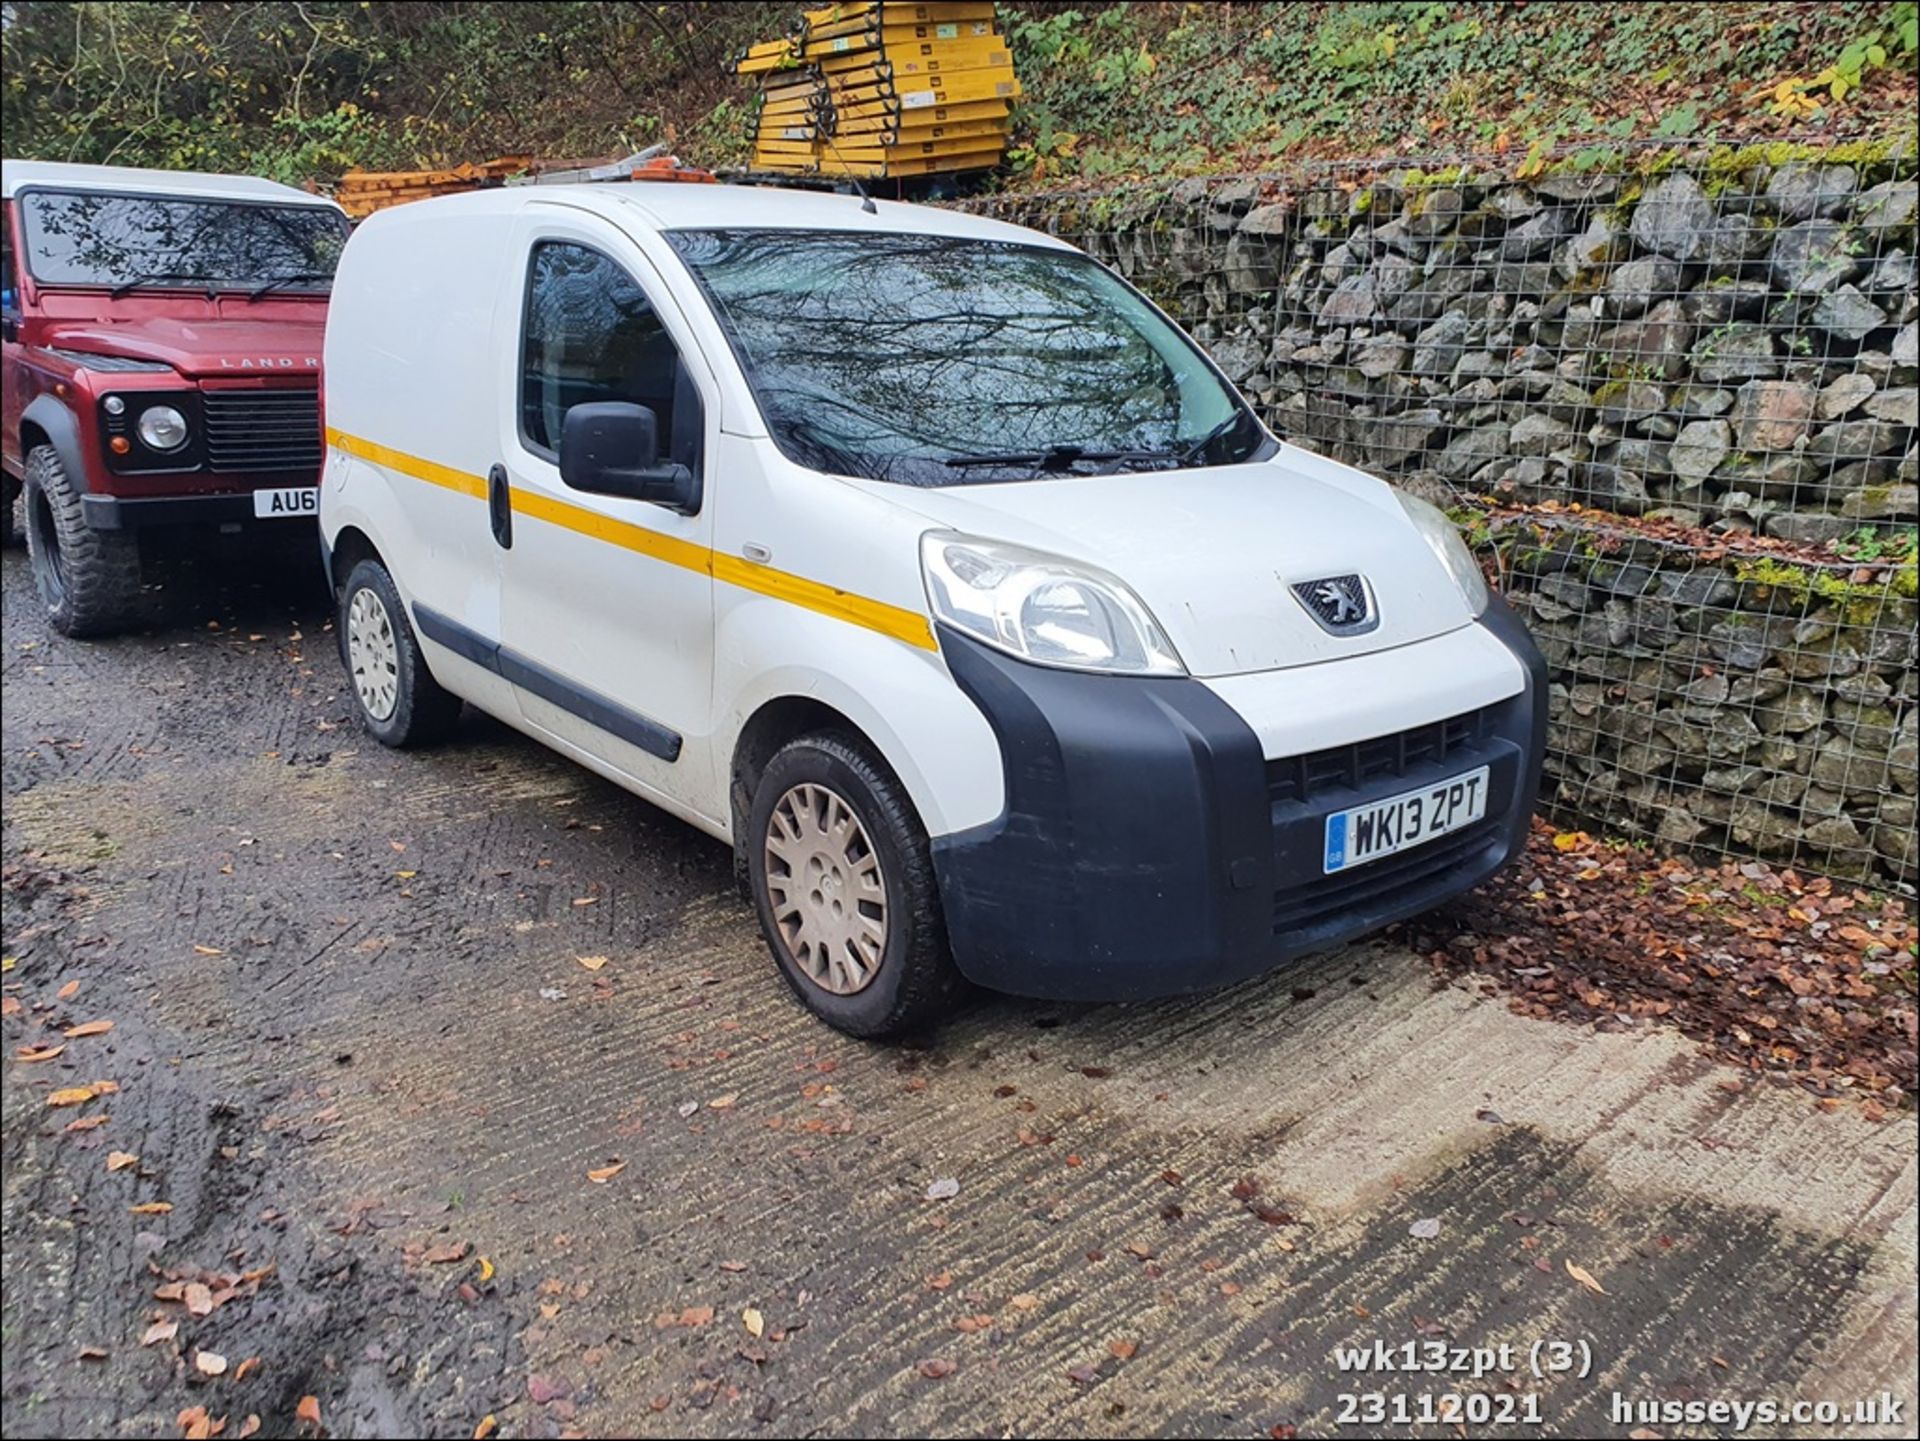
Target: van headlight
x,y
1443,538
162,427
1043,608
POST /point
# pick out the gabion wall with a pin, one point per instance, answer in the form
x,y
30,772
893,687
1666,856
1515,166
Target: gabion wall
x,y
1671,394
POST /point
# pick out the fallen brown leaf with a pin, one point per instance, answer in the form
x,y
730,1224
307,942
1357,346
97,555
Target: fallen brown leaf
x,y
159,1331
1123,1350
68,991
32,1054
246,1368
1585,1278
755,1323
592,963
605,1174
86,1123
199,1299
489,1423
120,1160
150,1208
209,1363
71,1096
87,1028
937,1368
445,1253
308,1410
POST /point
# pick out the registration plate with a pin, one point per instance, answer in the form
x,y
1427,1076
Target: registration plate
x,y
1383,828
292,500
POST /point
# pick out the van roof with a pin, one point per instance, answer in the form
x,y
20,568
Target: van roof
x,y
727,207
16,175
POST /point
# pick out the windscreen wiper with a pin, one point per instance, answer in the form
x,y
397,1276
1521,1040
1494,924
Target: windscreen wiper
x,y
127,287
1054,457
288,279
1191,452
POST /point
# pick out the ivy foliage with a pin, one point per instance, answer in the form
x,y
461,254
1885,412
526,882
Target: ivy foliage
x,y
305,89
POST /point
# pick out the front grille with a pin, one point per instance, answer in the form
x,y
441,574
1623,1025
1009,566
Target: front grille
x,y
261,430
1383,884
1348,767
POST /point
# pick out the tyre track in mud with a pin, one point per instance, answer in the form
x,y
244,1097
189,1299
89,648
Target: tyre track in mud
x,y
386,926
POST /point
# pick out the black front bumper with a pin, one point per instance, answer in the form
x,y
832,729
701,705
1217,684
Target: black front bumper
x,y
119,512
1148,848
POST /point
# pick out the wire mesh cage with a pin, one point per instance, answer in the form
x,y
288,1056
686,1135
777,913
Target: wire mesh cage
x,y
1670,395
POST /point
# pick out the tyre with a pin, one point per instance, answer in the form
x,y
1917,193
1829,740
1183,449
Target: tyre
x,y
399,701
841,877
89,580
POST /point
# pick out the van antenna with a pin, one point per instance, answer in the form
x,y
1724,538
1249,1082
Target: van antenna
x,y
866,200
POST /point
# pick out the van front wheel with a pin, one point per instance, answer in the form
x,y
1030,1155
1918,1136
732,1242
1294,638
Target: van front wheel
x,y
399,701
845,890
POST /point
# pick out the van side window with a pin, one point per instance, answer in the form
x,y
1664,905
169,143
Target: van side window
x,y
590,333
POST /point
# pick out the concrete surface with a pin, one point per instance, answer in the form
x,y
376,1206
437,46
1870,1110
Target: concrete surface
x,y
400,1037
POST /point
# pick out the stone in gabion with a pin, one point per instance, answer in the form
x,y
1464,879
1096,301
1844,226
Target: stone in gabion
x,y
1735,352
1896,407
1848,315
1889,205
1772,414
1843,396
1699,448
1802,191
1673,217
1814,256
1639,283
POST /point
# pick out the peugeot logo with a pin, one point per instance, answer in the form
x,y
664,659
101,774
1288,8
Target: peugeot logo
x,y
1342,604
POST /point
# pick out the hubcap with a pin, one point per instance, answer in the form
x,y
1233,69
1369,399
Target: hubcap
x,y
828,895
373,654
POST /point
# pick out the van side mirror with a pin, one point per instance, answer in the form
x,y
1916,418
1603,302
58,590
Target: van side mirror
x,y
612,447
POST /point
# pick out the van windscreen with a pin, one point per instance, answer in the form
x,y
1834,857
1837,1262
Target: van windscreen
x,y
937,360
76,237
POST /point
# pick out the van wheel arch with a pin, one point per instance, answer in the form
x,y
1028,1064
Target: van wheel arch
x,y
351,547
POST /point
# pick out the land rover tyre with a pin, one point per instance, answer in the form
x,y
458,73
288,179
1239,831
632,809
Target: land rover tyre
x,y
838,864
399,701
89,580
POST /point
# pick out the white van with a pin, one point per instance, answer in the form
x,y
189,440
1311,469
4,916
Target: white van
x,y
925,562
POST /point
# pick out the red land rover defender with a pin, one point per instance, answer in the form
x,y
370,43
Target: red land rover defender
x,y
161,366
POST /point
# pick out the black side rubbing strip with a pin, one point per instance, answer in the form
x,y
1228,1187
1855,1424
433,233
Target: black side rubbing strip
x,y
596,710
467,644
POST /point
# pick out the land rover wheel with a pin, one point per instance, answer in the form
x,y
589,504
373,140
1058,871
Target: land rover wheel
x,y
89,580
399,701
844,885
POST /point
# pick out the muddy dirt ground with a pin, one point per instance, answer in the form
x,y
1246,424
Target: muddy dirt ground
x,y
434,1160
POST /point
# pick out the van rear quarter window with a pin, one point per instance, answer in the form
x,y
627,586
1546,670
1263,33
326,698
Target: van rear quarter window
x,y
933,360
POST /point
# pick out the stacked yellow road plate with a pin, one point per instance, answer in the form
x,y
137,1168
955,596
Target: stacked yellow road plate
x,y
881,89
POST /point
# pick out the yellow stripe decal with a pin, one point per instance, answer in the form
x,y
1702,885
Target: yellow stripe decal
x,y
889,620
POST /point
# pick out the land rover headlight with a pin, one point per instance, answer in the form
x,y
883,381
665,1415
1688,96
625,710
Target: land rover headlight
x,y
162,427
1443,538
1043,608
